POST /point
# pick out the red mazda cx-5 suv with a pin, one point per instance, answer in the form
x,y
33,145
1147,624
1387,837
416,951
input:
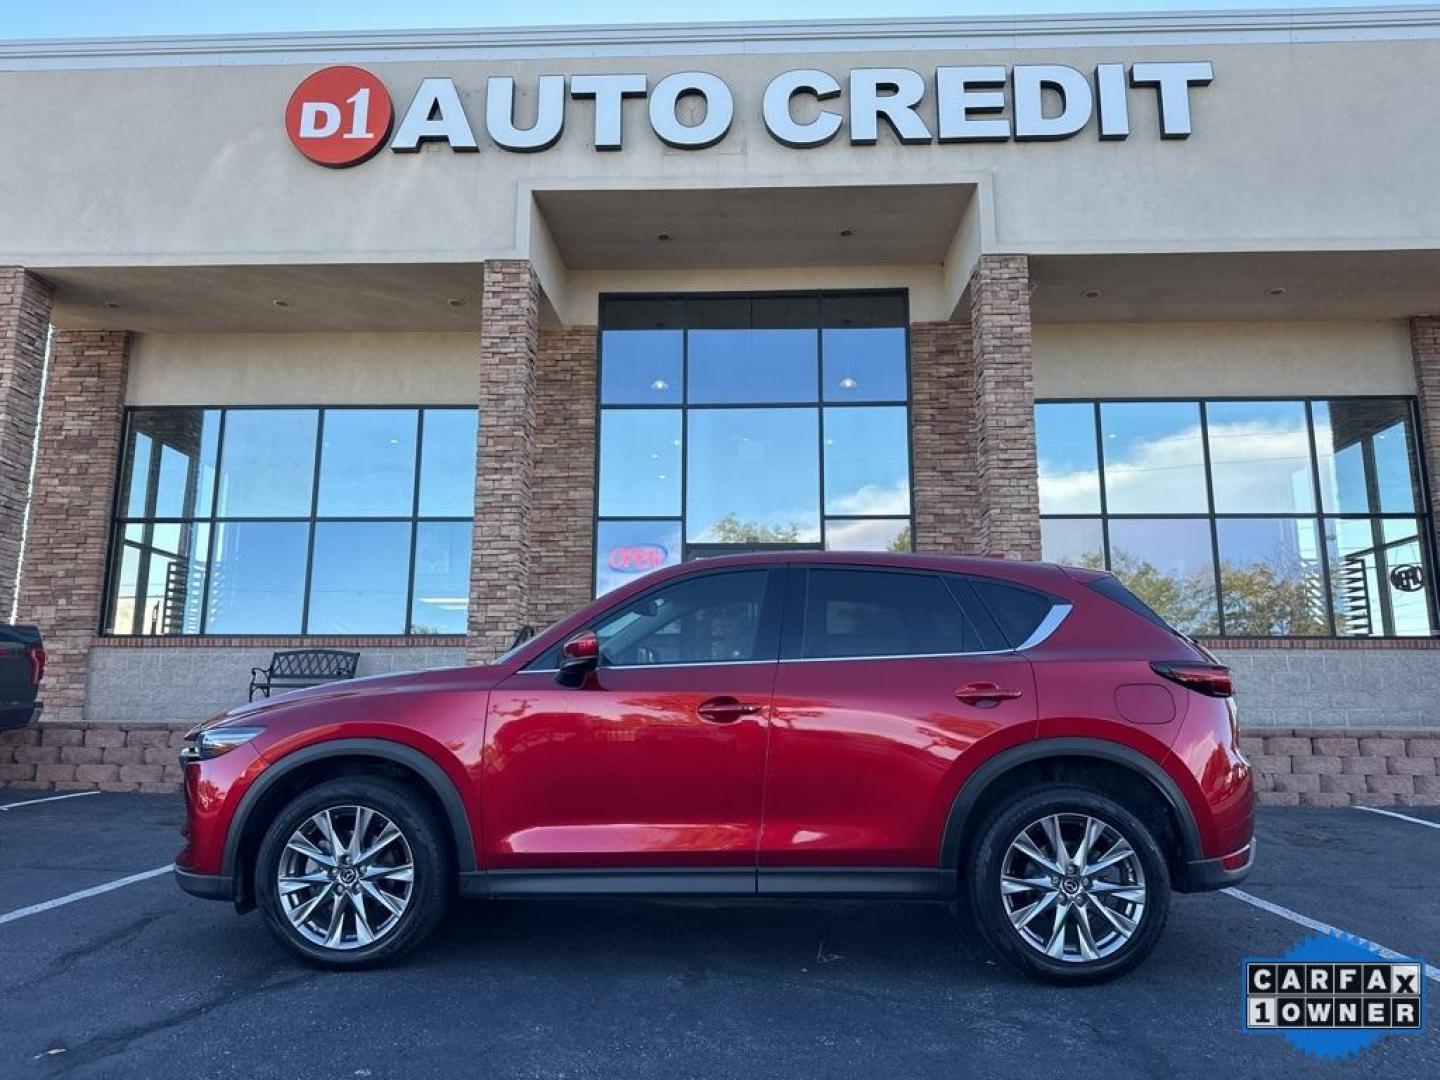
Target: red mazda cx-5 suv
x,y
1030,738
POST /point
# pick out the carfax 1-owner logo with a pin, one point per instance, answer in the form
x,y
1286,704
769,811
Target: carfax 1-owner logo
x,y
1332,996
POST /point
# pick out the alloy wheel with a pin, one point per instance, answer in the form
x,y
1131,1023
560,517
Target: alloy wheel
x,y
345,877
1073,887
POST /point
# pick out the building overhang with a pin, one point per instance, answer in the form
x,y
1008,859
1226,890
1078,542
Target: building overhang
x,y
1234,286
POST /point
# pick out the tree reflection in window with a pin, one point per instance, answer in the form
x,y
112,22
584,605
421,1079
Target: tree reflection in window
x,y
1307,524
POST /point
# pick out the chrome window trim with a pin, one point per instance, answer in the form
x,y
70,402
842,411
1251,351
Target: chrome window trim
x,y
651,667
784,660
894,656
1048,625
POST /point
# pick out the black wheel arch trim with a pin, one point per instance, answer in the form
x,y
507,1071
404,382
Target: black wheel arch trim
x,y
434,776
971,791
205,886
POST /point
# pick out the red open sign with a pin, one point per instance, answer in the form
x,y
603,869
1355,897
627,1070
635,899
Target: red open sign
x,y
637,558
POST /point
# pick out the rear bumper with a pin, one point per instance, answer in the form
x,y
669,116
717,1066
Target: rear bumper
x,y
17,716
208,886
1203,875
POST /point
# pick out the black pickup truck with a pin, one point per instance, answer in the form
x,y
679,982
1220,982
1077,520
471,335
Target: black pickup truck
x,y
22,665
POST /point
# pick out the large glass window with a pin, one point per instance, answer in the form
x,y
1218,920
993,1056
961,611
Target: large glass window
x,y
730,423
294,521
1245,518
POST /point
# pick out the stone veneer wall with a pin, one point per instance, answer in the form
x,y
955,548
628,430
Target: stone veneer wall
x,y
24,326
942,440
562,557
1425,355
1007,473
1325,767
502,548
62,589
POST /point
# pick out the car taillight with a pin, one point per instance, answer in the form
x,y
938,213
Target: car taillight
x,y
36,655
1212,680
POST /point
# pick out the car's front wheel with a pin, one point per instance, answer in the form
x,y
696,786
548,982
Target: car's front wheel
x,y
1068,885
353,872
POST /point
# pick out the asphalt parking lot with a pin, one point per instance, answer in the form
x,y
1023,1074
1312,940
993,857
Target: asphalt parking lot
x,y
145,981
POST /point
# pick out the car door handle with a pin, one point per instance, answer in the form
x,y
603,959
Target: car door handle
x,y
725,710
977,692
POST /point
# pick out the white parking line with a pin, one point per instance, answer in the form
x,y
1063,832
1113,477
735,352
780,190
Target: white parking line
x,y
1402,817
48,798
1431,971
84,894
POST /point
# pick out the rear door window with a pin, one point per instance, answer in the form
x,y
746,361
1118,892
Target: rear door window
x,y
1019,611
863,612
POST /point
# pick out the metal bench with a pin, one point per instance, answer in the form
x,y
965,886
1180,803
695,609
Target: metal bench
x,y
297,668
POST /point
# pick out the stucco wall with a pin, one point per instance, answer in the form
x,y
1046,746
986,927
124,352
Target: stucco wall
x,y
303,369
1071,360
189,162
1222,359
186,684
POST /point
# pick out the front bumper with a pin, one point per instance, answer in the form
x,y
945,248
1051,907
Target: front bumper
x,y
208,886
1203,875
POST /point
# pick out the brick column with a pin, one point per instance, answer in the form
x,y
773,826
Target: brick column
x,y
1006,471
24,324
505,464
562,560
62,589
942,423
1425,352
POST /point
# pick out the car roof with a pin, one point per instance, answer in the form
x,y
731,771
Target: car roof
x,y
982,564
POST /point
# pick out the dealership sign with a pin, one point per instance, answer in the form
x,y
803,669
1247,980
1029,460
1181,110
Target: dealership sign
x,y
341,116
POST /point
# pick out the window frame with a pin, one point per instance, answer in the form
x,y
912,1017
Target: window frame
x,y
684,406
213,521
1318,516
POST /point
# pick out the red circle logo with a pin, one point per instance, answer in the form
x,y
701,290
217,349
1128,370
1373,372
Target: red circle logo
x,y
339,116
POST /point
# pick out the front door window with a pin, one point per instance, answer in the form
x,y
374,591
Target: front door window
x,y
715,618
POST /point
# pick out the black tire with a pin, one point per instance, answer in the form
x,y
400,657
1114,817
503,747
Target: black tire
x,y
1003,826
429,857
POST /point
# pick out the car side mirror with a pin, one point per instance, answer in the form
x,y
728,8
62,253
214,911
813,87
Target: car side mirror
x,y
578,657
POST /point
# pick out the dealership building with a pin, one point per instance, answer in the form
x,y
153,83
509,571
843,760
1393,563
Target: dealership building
x,y
398,343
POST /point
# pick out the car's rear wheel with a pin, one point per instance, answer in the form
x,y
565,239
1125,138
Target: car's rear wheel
x,y
353,872
1068,885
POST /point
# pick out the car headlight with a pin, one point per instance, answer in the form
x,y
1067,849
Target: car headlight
x,y
212,742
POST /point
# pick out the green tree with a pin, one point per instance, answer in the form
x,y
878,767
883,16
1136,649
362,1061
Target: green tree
x,y
1279,596
1265,598
731,530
